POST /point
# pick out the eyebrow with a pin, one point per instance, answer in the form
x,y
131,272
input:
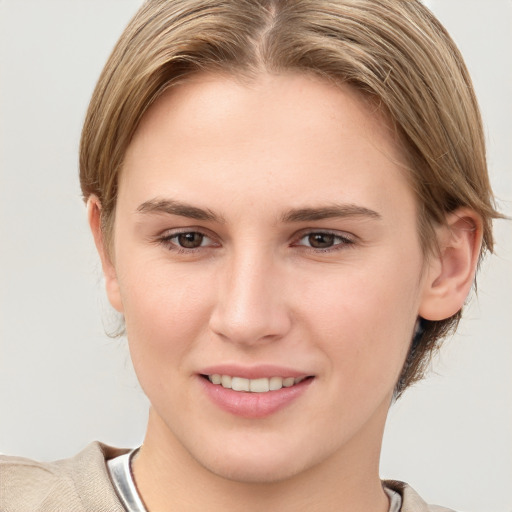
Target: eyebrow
x,y
173,207
329,212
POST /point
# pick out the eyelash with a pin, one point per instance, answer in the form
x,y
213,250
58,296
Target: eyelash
x,y
168,241
340,242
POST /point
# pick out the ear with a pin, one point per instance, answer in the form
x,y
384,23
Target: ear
x,y
451,271
109,271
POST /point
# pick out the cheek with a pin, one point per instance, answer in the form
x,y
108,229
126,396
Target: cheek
x,y
363,319
165,310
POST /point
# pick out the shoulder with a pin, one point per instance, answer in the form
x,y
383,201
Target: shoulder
x,y
78,484
411,500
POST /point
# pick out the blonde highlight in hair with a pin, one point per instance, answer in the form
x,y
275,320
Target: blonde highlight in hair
x,y
393,51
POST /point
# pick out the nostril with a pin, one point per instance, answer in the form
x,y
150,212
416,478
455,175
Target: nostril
x,y
250,326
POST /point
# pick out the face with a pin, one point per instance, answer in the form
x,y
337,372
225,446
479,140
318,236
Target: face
x,y
266,238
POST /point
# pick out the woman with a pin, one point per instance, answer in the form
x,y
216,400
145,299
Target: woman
x,y
290,200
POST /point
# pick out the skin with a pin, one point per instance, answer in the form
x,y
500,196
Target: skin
x,y
255,291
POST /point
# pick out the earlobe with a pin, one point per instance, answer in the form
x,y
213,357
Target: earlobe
x,y
451,272
109,271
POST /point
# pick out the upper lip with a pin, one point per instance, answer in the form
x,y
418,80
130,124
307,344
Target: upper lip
x,y
253,372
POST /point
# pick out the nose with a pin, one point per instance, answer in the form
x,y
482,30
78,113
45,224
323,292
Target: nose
x,y
251,306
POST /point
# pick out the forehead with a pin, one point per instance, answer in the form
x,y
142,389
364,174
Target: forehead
x,y
271,101
290,134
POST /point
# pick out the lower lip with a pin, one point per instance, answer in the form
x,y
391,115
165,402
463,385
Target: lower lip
x,y
253,405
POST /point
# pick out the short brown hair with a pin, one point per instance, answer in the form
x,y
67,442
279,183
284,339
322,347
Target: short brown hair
x,y
394,51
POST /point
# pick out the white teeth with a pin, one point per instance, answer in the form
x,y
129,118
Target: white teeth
x,y
259,385
239,384
275,383
288,382
225,380
262,385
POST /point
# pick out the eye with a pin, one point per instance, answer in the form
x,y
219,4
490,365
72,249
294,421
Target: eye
x,y
187,240
190,240
320,240
324,240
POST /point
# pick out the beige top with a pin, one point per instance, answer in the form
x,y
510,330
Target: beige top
x,y
82,484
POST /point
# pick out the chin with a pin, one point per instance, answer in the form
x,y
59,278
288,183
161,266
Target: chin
x,y
251,472
270,464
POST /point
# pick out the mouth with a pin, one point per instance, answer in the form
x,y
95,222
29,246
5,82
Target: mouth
x,y
260,385
254,393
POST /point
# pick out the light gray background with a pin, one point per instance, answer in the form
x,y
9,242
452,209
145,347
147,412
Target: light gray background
x,y
63,383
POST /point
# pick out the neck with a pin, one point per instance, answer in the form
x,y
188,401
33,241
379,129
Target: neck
x,y
168,478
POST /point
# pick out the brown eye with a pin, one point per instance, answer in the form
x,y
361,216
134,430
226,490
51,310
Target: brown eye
x,y
190,240
321,240
324,241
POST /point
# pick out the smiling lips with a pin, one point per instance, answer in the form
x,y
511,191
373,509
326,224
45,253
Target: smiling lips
x,y
254,398
261,385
